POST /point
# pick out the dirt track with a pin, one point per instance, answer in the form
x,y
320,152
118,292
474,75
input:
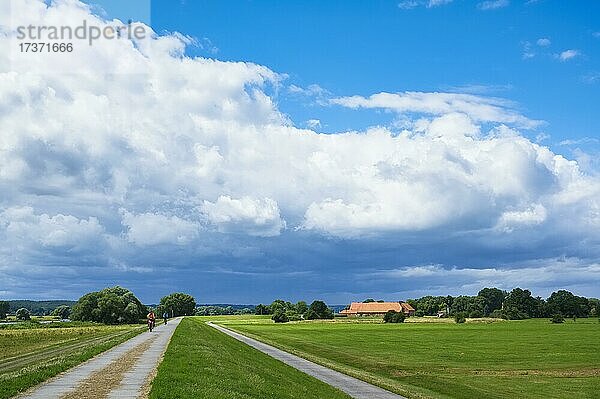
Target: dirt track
x,y
123,372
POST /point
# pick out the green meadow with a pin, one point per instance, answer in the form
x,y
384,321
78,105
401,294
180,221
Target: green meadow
x,y
500,359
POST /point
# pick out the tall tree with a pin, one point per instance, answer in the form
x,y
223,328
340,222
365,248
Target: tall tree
x,y
63,311
262,309
567,304
301,307
177,304
493,297
319,310
4,308
519,304
110,306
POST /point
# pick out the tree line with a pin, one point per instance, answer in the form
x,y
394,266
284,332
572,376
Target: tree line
x,y
216,310
517,304
284,311
118,305
35,308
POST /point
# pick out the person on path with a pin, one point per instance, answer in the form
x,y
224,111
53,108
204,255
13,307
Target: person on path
x,y
151,320
165,316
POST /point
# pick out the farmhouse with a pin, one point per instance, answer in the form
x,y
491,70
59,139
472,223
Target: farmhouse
x,y
377,308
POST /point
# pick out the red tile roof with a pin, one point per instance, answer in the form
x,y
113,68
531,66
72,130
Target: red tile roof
x,y
375,307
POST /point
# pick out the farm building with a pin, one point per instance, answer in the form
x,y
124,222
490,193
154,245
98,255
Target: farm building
x,y
377,308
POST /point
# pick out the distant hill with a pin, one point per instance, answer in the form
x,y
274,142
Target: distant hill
x,y
38,308
224,305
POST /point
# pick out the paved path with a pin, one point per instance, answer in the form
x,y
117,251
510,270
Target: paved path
x,y
354,387
122,372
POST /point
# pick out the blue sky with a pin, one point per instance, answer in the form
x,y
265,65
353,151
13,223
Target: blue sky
x,y
226,168
349,47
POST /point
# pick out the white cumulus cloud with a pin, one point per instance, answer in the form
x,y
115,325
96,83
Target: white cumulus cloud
x,y
256,217
484,109
153,229
140,145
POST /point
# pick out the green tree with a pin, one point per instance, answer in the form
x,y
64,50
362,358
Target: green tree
x,y
319,310
519,304
4,309
594,306
280,316
462,304
460,317
177,304
493,298
569,305
392,316
301,307
63,311
278,305
262,309
110,306
23,314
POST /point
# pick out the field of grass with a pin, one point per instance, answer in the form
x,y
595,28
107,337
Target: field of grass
x,y
202,362
12,319
505,359
31,353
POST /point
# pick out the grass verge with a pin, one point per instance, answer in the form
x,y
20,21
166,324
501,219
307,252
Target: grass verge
x,y
202,362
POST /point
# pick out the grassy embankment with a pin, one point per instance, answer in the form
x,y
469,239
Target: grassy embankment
x,y
202,362
505,359
31,353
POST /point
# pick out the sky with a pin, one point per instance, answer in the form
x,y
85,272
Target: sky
x,y
247,151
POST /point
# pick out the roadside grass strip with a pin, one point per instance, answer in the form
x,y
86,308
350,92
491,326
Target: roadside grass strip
x,y
202,362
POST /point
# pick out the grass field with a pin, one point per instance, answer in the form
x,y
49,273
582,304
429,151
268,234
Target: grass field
x,y
31,353
12,319
506,359
202,362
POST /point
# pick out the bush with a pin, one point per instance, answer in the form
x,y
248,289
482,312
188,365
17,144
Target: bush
x,y
63,311
419,313
460,317
476,314
557,318
23,314
293,316
280,317
497,314
393,317
513,313
319,310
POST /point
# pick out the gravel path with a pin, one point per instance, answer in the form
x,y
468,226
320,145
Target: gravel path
x,y
354,387
124,371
